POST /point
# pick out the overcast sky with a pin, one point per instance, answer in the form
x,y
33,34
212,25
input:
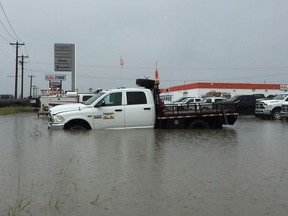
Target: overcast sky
x,y
191,41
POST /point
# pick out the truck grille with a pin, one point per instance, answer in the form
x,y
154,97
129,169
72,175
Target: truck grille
x,y
284,108
260,105
49,117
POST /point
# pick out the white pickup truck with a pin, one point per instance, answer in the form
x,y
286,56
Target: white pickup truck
x,y
139,107
47,102
270,109
107,110
284,110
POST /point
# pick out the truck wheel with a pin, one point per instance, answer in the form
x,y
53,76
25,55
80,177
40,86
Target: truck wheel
x,y
199,124
77,128
276,115
77,125
45,108
265,117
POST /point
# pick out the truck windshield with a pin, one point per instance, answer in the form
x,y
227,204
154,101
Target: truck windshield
x,y
234,98
92,99
280,97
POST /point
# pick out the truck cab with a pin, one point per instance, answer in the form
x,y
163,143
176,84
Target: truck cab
x,y
111,109
244,104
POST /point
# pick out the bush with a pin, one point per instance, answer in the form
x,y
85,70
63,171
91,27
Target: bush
x,y
13,110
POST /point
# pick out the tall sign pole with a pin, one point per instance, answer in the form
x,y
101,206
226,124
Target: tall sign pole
x,y
64,60
73,80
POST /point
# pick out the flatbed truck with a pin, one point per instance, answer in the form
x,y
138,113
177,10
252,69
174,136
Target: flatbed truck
x,y
140,107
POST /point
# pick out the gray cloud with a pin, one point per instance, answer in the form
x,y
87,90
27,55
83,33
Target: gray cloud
x,y
192,40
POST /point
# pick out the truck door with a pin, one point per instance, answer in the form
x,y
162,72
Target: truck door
x,y
109,112
139,112
246,105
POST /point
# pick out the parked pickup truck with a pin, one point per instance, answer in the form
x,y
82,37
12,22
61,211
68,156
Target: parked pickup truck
x,y
244,104
9,100
270,109
139,107
284,110
47,102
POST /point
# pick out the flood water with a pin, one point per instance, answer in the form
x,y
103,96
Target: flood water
x,y
235,171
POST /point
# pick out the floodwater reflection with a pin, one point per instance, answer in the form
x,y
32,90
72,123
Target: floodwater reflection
x,y
239,170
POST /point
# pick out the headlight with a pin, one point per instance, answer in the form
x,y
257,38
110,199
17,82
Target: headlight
x,y
58,118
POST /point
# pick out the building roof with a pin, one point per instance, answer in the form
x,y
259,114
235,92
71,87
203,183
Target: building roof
x,y
214,85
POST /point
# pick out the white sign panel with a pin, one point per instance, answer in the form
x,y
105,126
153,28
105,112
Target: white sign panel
x,y
53,77
284,86
61,60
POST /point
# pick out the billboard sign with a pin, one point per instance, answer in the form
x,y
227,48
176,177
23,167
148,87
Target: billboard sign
x,y
64,56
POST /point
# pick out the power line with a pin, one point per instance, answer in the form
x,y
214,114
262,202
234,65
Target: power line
x,y
12,36
173,68
6,54
28,59
9,25
4,38
7,30
180,68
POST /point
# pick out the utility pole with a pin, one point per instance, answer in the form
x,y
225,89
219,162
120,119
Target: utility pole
x,y
31,76
16,70
22,74
35,91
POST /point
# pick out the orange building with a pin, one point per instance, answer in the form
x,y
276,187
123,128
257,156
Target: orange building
x,y
201,89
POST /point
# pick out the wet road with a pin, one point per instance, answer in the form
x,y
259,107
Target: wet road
x,y
239,170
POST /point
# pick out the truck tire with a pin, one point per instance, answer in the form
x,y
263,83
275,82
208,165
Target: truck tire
x,y
77,125
147,83
77,128
45,108
199,124
276,114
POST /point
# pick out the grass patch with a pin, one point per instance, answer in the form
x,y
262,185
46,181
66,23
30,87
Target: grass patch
x,y
20,208
14,109
57,201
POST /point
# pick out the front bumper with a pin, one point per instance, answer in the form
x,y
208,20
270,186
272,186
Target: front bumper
x,y
262,112
284,114
54,126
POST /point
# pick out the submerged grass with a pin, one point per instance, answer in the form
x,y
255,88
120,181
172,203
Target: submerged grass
x,y
20,208
14,109
23,207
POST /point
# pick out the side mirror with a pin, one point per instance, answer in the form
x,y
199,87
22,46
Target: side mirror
x,y
100,103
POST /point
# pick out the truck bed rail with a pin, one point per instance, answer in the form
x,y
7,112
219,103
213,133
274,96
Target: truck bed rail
x,y
197,108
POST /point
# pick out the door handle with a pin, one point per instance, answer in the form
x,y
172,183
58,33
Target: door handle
x,y
147,108
118,110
